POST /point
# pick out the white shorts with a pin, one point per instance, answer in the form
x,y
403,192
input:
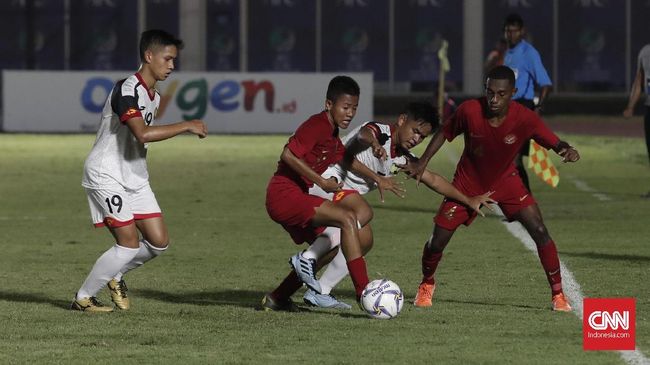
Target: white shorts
x,y
318,191
115,206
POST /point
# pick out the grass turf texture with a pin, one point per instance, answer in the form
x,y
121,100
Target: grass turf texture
x,y
196,303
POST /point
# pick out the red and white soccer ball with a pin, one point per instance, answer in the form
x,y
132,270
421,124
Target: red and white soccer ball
x,y
382,299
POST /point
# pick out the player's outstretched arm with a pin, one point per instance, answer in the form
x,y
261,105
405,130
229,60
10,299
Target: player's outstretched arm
x,y
301,168
145,133
440,185
568,152
416,168
383,182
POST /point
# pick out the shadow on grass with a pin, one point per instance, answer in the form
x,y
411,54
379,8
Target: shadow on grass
x,y
34,298
607,256
240,298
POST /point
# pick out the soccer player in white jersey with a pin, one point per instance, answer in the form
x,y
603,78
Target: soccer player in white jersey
x,y
116,178
382,148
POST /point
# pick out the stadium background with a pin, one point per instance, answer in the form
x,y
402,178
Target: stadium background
x,y
197,304
588,46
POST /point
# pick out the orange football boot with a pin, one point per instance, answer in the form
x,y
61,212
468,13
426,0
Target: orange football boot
x,y
424,295
560,303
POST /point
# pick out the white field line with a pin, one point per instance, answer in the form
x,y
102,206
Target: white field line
x,y
570,285
582,186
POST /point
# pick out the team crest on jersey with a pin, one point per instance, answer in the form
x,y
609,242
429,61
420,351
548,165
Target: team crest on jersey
x,y
510,139
449,214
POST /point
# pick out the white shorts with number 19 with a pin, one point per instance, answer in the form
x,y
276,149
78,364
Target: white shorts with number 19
x,y
114,206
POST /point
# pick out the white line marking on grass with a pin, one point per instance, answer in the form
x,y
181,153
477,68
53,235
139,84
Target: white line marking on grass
x,y
571,288
581,185
569,283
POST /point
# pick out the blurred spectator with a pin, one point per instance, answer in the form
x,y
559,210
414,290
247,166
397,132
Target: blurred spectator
x,y
641,84
496,55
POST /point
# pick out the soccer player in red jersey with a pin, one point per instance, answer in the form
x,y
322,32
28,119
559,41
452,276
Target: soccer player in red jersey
x,y
310,150
494,129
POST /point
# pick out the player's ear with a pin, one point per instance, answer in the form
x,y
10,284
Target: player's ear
x,y
328,105
148,56
401,119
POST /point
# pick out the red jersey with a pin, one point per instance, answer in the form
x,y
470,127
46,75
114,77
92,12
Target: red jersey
x,y
489,151
317,143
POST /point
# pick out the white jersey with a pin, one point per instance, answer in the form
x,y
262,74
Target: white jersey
x,y
117,157
387,167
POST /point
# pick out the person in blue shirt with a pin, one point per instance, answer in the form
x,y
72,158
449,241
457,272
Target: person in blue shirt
x,y
530,74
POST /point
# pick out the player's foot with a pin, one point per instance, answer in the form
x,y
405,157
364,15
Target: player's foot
x,y
425,295
271,304
323,300
560,303
91,305
646,195
305,270
118,293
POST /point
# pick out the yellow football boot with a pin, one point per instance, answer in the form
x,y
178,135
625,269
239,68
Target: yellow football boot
x,y
90,305
118,294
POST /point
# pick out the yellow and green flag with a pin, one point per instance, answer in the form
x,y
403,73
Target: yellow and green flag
x,y
542,165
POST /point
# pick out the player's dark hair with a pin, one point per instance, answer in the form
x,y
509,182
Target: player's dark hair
x,y
502,73
422,112
513,19
342,85
155,38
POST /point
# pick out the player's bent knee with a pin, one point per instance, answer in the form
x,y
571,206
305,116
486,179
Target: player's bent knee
x,y
365,216
160,243
348,220
540,234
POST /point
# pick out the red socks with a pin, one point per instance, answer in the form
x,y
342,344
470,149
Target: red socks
x,y
551,263
358,274
430,262
289,285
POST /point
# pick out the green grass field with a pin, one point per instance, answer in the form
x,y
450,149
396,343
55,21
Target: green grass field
x,y
197,303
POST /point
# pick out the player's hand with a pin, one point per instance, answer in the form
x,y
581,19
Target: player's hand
x,y
569,154
387,183
198,128
379,152
479,201
331,185
414,169
628,112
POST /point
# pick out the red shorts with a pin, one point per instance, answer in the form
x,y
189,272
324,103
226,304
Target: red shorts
x,y
293,208
511,195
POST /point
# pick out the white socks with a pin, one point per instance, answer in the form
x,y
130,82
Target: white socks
x,y
336,271
330,238
106,267
145,253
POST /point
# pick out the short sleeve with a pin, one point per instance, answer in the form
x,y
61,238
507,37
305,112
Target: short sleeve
x,y
124,101
307,135
374,128
541,133
456,124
